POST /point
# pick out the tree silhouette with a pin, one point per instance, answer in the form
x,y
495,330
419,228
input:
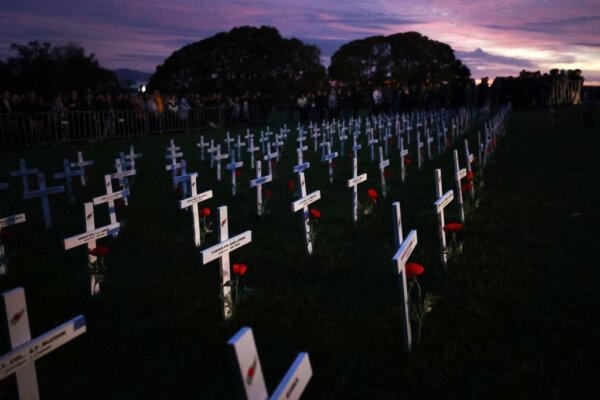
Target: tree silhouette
x,y
46,69
245,59
408,58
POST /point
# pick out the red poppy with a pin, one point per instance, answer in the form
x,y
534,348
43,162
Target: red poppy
x,y
250,373
372,193
387,173
268,194
453,227
100,251
414,269
238,173
315,213
239,269
291,185
15,318
205,212
5,234
407,160
466,187
470,176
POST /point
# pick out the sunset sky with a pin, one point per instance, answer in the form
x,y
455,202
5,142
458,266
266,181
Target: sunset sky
x,y
494,38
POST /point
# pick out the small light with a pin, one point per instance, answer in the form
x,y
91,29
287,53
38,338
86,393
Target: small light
x,y
143,88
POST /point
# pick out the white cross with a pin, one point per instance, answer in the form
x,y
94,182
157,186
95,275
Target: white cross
x,y
443,199
470,160
233,166
174,165
353,183
43,192
355,147
315,136
4,222
202,144
172,148
25,351
121,176
372,143
81,164
24,173
420,146
248,136
278,145
458,175
262,141
291,386
258,182
183,178
405,249
211,150
328,157
228,140
403,154
218,158
193,202
342,138
67,175
89,238
221,251
304,201
383,164
132,155
110,197
429,140
251,149
269,158
239,146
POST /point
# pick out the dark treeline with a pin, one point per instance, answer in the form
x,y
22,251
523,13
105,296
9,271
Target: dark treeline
x,y
251,66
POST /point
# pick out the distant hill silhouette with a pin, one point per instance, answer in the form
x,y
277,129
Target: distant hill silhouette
x,y
132,75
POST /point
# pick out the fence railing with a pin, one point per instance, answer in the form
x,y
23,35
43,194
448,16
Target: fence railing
x,y
32,129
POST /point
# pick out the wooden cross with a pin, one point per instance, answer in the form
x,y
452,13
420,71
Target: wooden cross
x,y
202,144
67,175
328,157
193,202
81,164
443,199
263,140
174,165
278,145
4,222
43,192
221,251
233,166
353,183
252,379
258,182
304,201
315,136
342,137
405,249
25,351
24,173
89,238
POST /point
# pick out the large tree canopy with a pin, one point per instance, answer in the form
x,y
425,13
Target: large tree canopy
x,y
245,59
46,69
408,58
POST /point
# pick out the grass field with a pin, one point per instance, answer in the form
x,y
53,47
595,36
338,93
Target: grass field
x,y
517,317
